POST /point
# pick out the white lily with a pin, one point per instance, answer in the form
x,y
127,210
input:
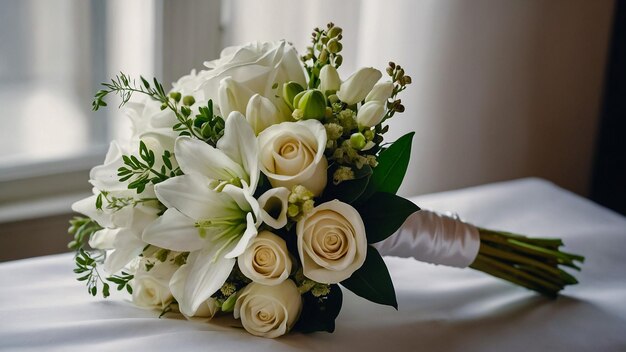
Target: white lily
x,y
234,160
208,214
215,227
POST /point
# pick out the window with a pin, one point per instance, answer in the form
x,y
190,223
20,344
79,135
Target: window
x,y
55,54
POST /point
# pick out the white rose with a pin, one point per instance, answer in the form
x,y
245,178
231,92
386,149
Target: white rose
x,y
269,311
266,260
331,242
151,287
292,153
251,69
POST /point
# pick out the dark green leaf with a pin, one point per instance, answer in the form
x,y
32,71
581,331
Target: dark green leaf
x,y
392,165
319,314
383,214
372,280
105,290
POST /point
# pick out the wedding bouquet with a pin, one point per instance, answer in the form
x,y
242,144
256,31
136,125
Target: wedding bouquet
x,y
259,185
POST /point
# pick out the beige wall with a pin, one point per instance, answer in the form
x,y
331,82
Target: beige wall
x,y
502,89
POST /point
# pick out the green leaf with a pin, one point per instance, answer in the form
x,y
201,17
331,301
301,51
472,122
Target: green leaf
x,y
383,214
372,280
319,313
392,165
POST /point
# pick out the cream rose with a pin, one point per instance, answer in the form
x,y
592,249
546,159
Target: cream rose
x,y
292,153
266,260
151,287
268,311
331,242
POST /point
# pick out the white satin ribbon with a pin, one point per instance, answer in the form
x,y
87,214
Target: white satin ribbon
x,y
433,238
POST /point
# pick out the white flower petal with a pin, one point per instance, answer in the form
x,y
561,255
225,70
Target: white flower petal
x,y
191,195
174,231
203,274
274,201
103,239
104,177
240,144
197,157
87,207
244,241
127,248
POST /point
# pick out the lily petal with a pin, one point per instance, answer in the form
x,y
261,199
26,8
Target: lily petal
x,y
174,231
273,207
203,274
244,241
240,144
127,247
191,195
197,157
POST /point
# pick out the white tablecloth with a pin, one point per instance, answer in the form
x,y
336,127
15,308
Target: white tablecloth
x,y
43,307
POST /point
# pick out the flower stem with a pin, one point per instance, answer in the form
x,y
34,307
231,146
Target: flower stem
x,y
529,262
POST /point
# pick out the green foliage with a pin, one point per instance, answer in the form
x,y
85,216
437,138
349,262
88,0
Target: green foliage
x,y
392,165
372,280
122,281
205,126
82,228
319,313
383,214
140,173
87,268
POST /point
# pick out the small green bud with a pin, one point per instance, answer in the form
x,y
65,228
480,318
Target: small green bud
x,y
185,111
176,96
323,56
334,31
338,60
229,304
188,100
296,99
312,104
334,46
290,90
357,141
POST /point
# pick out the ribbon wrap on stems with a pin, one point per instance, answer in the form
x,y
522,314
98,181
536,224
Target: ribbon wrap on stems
x,y
433,238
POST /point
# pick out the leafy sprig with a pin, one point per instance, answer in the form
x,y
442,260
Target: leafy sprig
x,y
125,87
82,228
205,126
122,281
87,266
140,173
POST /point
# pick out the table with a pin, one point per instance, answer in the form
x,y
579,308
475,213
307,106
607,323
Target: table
x,y
43,307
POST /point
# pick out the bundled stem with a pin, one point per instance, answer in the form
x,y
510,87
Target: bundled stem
x,y
533,263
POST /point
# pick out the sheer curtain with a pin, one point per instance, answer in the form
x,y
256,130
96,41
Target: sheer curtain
x,y
501,89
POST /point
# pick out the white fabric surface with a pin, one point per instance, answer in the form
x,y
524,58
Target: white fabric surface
x,y
434,238
42,307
